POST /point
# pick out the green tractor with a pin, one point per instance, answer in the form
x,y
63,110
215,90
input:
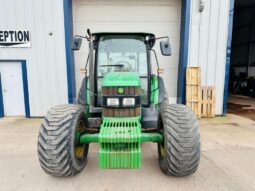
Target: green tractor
x,y
120,105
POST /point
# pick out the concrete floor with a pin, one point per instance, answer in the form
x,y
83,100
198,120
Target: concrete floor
x,y
227,162
241,105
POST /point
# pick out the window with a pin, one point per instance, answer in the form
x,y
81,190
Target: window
x,y
122,54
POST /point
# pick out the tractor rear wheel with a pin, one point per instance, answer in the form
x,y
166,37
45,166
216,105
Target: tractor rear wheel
x,y
59,152
165,100
82,95
179,154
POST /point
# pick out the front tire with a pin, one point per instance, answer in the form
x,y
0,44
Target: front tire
x,y
179,154
58,150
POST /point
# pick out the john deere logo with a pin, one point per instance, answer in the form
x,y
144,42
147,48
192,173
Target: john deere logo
x,y
11,38
120,90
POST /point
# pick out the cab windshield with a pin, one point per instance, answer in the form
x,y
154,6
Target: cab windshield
x,y
122,54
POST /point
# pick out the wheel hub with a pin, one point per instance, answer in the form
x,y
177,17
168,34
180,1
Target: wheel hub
x,y
79,148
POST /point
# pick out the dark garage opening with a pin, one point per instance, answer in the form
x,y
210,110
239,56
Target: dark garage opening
x,y
241,99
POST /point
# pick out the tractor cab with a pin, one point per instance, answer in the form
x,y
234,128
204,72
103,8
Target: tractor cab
x,y
121,53
120,82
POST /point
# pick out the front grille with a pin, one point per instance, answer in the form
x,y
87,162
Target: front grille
x,y
127,91
121,112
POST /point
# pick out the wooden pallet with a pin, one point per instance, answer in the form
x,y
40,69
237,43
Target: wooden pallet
x,y
208,101
193,89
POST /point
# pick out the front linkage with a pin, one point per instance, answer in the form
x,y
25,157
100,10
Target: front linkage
x,y
120,140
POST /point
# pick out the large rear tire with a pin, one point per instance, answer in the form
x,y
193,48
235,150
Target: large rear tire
x,y
58,150
179,154
163,96
82,95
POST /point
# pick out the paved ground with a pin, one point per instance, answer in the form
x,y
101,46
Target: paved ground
x,y
227,162
242,105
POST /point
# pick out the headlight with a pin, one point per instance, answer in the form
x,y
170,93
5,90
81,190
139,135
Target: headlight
x,y
128,102
113,102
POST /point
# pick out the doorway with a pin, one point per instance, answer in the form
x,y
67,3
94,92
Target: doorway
x,y
12,90
241,97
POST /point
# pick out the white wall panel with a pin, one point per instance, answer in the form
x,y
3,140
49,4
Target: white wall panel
x,y
161,17
208,44
46,63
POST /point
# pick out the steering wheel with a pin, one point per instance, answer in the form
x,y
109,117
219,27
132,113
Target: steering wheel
x,y
124,62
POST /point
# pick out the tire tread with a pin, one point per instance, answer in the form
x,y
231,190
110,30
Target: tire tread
x,y
182,140
54,140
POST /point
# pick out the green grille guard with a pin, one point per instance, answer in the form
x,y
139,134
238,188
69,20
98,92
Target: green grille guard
x,y
120,142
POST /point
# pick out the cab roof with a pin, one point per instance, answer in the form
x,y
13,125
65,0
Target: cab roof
x,y
150,41
98,34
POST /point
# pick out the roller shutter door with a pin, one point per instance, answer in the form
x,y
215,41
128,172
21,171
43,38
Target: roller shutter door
x,y
161,17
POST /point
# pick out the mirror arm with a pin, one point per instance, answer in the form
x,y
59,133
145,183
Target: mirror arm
x,y
164,37
85,37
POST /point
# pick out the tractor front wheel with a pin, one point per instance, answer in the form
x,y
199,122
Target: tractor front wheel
x,y
59,152
179,154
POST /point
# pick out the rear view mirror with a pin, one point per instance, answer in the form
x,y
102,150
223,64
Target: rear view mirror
x,y
165,48
76,43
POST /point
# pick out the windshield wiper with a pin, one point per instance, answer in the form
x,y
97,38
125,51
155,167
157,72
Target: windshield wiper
x,y
113,65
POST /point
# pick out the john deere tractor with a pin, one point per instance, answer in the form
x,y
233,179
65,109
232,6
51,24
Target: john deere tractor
x,y
120,105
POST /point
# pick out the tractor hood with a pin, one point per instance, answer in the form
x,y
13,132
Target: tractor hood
x,y
121,79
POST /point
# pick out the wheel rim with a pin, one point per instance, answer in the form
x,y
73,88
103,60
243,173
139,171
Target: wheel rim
x,y
79,148
162,150
161,145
